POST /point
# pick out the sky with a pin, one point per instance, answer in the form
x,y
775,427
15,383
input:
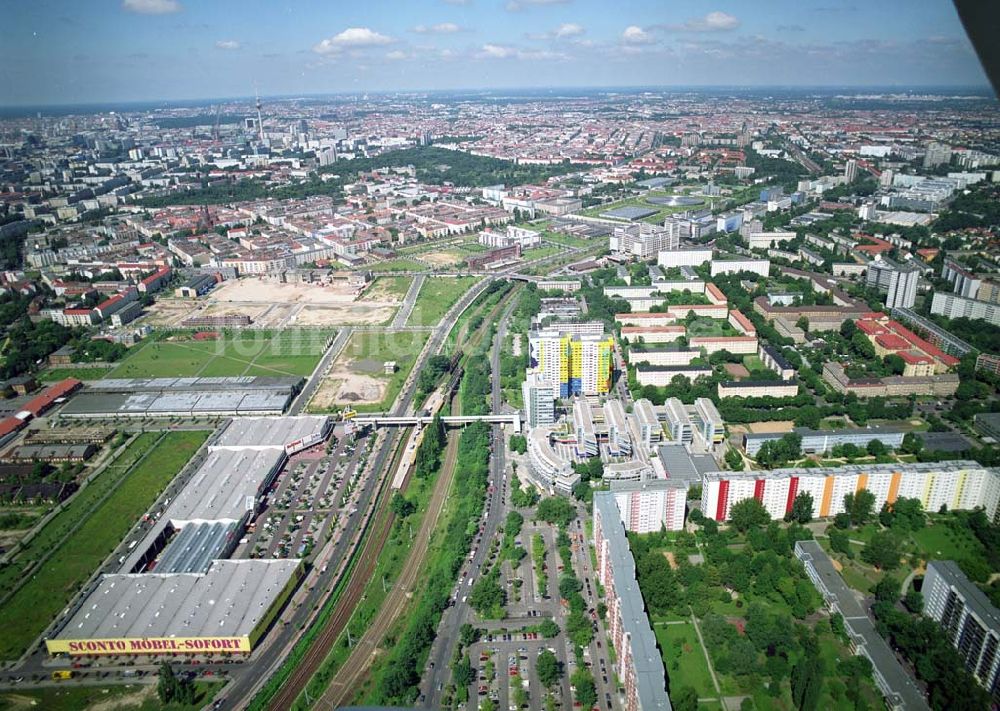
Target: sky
x,y
93,51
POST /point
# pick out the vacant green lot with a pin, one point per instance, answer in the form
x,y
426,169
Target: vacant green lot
x,y
683,657
387,288
138,697
53,375
25,615
276,353
399,265
436,296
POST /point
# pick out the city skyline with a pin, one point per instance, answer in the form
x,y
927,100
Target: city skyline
x,y
58,53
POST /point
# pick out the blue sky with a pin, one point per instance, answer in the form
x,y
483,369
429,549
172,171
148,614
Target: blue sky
x,y
72,51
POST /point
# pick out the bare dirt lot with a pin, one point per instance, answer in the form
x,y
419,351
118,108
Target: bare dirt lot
x,y
771,427
348,383
443,259
271,304
736,370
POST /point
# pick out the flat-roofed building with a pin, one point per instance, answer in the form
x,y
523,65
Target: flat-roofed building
x,y
819,441
547,466
539,398
678,423
586,432
957,485
650,430
619,436
638,663
709,421
651,505
969,620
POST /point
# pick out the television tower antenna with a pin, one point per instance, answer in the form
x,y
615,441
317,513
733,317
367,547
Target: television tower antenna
x,y
260,123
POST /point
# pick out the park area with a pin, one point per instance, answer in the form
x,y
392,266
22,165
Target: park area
x,y
72,545
737,620
288,353
358,377
130,697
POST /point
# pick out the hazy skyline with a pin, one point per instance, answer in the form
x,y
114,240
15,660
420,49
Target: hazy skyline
x,y
60,52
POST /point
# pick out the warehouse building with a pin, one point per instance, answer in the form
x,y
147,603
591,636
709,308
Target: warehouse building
x,y
178,592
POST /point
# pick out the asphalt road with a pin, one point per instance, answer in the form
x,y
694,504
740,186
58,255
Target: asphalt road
x,y
438,674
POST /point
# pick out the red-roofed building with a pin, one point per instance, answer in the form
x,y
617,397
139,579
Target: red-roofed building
x,y
888,336
875,246
116,303
40,404
155,282
714,294
741,323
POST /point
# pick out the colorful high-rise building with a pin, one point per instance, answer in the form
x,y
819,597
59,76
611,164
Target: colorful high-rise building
x,y
573,363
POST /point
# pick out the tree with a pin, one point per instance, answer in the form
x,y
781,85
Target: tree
x,y
684,699
876,448
586,692
848,329
895,364
548,629
859,506
519,443
547,668
886,590
747,514
166,687
882,551
914,601
802,508
802,323
734,460
467,634
401,506
912,444
569,584
557,510
840,542
461,672
807,677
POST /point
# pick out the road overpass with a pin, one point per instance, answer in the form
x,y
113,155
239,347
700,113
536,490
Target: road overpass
x,y
513,418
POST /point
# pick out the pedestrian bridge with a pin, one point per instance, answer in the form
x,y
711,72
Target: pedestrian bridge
x,y
377,420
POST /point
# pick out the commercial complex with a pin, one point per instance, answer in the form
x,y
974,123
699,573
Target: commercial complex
x,y
954,484
638,663
575,364
178,591
968,618
539,398
897,686
184,397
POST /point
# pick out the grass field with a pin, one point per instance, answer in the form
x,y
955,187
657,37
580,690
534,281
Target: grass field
x,y
386,287
77,509
566,240
540,252
56,374
398,265
138,697
274,353
684,659
703,326
32,607
436,296
640,201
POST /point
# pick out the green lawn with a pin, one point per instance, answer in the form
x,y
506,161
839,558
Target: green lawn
x,y
274,353
703,326
683,658
752,363
398,265
944,542
387,288
56,374
540,252
138,697
436,296
33,606
566,240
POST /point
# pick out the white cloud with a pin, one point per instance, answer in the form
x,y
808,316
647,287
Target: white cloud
x,y
396,55
633,34
516,5
496,51
568,29
442,28
151,7
227,44
458,2
352,37
712,22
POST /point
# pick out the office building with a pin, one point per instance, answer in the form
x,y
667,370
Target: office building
x,y
643,240
708,421
677,421
549,469
897,281
638,664
956,485
619,434
586,432
735,266
539,398
575,364
650,429
968,618
688,257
